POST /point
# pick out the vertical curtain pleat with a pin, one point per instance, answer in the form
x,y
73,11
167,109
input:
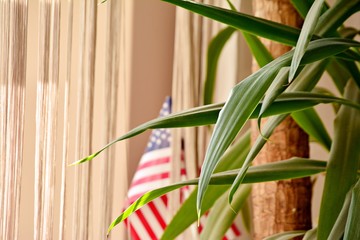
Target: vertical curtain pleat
x,y
84,125
111,82
46,117
66,129
13,36
4,53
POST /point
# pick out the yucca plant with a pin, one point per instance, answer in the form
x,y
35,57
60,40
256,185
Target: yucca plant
x,y
283,86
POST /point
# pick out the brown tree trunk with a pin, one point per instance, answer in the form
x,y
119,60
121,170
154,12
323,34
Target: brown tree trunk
x,y
283,205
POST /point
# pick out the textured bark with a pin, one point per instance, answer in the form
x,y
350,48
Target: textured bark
x,y
283,205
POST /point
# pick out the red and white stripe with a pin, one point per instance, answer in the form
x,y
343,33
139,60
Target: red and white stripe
x,y
150,221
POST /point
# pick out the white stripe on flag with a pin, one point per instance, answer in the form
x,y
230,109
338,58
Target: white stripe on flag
x,y
230,235
162,209
147,186
153,170
151,219
155,154
138,226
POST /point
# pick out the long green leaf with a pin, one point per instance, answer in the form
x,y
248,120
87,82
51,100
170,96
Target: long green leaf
x,y
343,163
352,230
258,50
287,169
339,74
311,123
286,235
276,88
243,100
353,70
303,6
311,234
270,125
332,19
339,227
246,216
213,53
308,77
221,217
306,34
205,115
247,23
186,215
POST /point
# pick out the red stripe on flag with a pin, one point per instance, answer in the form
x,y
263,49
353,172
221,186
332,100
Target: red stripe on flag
x,y
157,214
164,198
146,224
235,230
154,162
134,234
200,228
151,178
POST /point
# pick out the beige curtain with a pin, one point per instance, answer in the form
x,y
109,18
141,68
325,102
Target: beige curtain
x,y
69,67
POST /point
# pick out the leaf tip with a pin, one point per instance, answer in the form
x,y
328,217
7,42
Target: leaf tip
x,y
88,158
198,217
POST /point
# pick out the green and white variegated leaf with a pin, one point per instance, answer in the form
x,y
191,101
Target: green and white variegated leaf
x,y
278,86
311,123
339,227
311,234
287,169
303,6
352,230
306,34
286,235
205,115
221,216
242,102
270,125
343,165
186,215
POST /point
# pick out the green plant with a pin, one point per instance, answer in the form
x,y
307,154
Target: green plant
x,y
283,86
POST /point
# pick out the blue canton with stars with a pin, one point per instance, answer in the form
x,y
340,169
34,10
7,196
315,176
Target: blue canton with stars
x,y
160,138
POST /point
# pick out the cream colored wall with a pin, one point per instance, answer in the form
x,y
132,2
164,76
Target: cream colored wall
x,y
151,71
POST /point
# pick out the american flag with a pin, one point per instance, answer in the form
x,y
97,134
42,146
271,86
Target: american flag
x,y
153,172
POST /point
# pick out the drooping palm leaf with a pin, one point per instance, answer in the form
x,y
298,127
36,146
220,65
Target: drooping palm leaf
x,y
205,115
270,125
247,23
311,234
244,98
311,123
287,169
306,34
339,227
221,217
352,230
186,215
343,165
303,6
286,235
332,19
339,74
